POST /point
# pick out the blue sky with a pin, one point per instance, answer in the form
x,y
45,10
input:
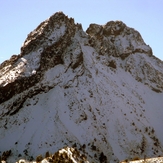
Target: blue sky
x,y
19,18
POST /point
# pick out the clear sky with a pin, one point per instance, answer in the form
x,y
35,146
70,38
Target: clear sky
x,y
19,17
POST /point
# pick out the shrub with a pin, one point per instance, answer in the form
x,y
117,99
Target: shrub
x,y
39,158
135,158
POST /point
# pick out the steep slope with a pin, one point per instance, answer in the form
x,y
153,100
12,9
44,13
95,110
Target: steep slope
x,y
100,91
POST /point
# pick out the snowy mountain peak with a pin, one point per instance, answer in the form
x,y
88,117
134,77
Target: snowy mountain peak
x,y
124,47
115,35
100,90
48,32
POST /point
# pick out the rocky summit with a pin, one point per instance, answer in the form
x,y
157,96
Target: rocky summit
x,y
99,93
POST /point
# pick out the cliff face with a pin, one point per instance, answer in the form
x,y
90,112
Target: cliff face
x,y
100,90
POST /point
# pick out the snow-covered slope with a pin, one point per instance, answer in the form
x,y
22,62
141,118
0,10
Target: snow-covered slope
x,y
100,91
